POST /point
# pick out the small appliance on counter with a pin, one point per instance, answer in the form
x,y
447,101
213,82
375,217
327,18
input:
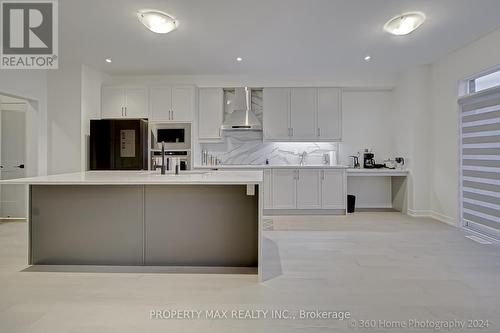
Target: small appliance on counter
x,y
400,162
368,160
118,144
355,162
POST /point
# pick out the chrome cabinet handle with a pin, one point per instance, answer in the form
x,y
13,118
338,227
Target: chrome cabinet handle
x,y
122,111
291,130
322,174
172,114
125,111
319,131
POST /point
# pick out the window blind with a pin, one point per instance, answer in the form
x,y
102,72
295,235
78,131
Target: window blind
x,y
480,161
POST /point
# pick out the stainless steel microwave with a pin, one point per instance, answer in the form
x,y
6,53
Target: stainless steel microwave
x,y
175,136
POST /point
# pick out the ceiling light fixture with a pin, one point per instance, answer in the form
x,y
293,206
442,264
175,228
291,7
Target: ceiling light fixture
x,y
368,58
239,59
108,60
156,21
405,23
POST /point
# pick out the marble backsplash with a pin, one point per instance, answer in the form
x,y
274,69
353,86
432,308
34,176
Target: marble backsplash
x,y
248,148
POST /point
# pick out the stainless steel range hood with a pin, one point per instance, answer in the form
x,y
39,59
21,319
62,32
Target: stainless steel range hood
x,y
242,118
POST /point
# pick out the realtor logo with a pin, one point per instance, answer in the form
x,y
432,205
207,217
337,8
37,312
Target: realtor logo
x,y
29,35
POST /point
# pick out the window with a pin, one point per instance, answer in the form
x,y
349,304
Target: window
x,y
480,161
485,81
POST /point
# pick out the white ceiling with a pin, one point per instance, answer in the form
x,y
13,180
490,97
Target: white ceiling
x,y
272,36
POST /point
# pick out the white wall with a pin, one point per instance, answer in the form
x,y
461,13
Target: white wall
x,y
91,107
64,119
413,134
367,123
32,86
445,76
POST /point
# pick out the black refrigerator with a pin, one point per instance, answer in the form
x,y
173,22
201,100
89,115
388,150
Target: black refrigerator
x,y
119,144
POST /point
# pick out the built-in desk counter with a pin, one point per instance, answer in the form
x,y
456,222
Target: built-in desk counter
x,y
377,189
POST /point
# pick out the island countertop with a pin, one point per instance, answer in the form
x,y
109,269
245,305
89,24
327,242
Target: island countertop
x,y
227,177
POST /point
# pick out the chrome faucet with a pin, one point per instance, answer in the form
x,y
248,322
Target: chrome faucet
x,y
302,157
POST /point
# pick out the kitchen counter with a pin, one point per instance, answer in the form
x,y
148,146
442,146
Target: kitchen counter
x,y
269,166
234,177
141,218
377,172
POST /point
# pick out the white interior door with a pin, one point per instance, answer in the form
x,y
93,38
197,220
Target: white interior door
x,y
12,160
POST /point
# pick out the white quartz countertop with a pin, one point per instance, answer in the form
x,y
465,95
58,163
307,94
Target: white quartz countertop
x,y
227,177
377,172
268,166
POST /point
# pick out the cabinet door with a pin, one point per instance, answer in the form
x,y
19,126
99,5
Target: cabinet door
x,y
210,112
112,102
268,186
329,114
333,189
136,102
276,112
303,113
182,103
160,101
284,188
309,189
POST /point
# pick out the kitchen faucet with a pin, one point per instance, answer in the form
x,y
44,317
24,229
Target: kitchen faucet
x,y
302,157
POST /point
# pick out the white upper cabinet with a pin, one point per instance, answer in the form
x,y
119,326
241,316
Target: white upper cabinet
x,y
333,188
329,114
160,101
182,103
303,113
124,102
309,189
172,103
210,113
276,113
136,100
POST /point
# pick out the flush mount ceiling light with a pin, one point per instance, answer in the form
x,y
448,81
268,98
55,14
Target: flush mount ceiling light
x,y
156,21
405,23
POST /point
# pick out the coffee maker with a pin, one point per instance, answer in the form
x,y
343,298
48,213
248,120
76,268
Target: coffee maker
x,y
368,160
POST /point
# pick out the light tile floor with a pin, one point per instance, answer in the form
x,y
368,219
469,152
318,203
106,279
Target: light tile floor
x,y
380,266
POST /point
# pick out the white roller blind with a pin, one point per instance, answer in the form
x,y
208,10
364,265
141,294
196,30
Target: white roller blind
x,y
480,161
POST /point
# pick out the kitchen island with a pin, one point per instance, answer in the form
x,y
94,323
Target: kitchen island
x,y
142,218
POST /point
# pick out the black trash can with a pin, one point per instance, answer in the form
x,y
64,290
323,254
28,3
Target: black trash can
x,y
351,203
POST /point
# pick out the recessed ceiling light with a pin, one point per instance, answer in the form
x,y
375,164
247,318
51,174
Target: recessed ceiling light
x,y
156,21
108,60
368,58
405,23
239,59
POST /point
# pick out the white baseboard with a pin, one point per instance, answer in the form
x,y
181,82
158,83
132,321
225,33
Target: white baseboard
x,y
433,215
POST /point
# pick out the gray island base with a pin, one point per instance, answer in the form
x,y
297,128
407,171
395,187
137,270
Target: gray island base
x,y
210,220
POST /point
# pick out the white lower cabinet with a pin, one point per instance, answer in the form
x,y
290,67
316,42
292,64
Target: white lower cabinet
x,y
284,188
308,189
333,189
304,189
268,185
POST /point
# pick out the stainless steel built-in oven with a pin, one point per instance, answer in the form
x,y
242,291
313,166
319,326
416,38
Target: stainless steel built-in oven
x,y
184,157
175,136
